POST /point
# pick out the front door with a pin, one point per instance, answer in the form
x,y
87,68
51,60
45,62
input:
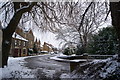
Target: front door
x,y
15,54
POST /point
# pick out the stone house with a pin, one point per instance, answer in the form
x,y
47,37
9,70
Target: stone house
x,y
22,42
27,38
27,35
18,46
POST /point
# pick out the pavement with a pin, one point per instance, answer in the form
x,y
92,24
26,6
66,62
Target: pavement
x,y
44,67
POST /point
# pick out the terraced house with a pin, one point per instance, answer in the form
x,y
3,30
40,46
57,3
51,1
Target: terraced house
x,y
18,46
22,42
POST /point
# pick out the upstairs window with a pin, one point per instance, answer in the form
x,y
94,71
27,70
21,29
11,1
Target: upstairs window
x,y
19,43
24,43
15,42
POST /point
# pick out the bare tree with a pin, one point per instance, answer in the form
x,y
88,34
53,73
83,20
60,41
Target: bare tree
x,y
81,20
15,9
51,16
17,13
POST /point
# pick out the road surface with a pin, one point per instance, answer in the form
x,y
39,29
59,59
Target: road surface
x,y
47,68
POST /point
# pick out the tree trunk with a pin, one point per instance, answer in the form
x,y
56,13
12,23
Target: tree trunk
x,y
7,37
0,48
115,14
10,29
6,44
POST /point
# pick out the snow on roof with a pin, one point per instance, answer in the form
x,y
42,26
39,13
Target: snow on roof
x,y
17,36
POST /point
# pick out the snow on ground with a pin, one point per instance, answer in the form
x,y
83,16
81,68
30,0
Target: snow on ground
x,y
58,59
98,69
110,67
49,73
16,69
64,60
93,70
64,75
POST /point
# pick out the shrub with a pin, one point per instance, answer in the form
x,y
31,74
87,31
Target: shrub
x,y
79,50
68,51
105,42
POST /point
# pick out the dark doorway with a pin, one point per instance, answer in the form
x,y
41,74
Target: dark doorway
x,y
15,54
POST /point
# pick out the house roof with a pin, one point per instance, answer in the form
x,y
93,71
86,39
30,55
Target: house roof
x,y
17,36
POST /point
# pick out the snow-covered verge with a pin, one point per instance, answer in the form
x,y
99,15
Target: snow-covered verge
x,y
108,69
16,69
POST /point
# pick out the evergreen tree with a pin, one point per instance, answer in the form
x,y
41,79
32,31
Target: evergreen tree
x,y
105,42
35,49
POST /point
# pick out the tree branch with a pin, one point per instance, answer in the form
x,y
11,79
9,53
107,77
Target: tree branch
x,y
84,15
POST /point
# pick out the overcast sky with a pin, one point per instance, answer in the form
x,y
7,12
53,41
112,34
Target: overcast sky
x,y
48,37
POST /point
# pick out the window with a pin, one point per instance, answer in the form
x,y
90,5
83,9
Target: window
x,y
19,43
15,42
24,43
31,42
24,51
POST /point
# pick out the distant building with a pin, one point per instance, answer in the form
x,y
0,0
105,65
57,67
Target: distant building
x,y
37,43
47,47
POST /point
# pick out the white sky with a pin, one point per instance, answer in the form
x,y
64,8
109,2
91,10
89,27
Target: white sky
x,y
48,37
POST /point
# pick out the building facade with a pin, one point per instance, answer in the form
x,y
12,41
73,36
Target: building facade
x,y
47,47
23,43
18,46
27,35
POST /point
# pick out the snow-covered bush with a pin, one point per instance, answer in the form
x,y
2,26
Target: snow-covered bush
x,y
105,42
68,51
108,69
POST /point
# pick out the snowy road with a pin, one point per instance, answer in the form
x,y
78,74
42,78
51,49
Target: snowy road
x,y
47,68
